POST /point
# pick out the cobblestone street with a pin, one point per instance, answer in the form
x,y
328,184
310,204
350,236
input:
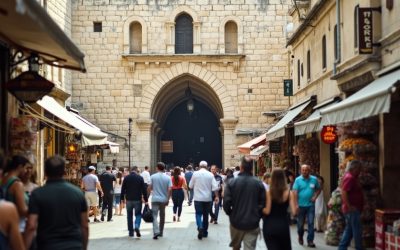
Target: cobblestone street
x,y
177,235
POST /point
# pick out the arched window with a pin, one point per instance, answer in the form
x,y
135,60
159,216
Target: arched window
x,y
135,38
184,34
324,52
231,37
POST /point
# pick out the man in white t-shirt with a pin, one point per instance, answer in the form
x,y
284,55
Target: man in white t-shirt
x,y
146,177
203,184
90,183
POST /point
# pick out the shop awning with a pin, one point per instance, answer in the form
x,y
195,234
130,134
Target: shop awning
x,y
371,100
279,129
91,135
258,151
114,147
312,123
25,25
245,148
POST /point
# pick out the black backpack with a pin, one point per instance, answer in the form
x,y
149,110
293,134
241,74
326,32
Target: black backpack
x,y
147,214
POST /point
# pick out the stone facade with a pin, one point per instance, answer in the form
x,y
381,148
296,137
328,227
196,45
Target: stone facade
x,y
237,87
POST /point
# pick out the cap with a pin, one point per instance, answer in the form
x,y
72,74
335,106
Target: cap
x,y
203,164
92,168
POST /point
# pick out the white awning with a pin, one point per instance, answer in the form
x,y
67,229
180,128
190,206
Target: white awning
x,y
91,135
258,151
311,124
25,25
114,147
279,129
371,100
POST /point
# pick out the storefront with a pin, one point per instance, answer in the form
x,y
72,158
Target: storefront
x,y
366,124
30,38
256,149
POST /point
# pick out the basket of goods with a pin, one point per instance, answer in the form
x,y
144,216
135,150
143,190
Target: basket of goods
x,y
348,144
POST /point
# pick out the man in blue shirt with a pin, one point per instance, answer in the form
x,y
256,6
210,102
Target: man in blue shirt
x,y
306,190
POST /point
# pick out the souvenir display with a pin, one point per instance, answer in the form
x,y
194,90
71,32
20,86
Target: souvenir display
x,y
23,137
308,152
357,142
335,220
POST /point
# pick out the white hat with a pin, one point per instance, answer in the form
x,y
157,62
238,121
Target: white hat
x,y
92,168
203,164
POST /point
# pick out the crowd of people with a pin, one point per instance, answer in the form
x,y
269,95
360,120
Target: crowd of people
x,y
57,215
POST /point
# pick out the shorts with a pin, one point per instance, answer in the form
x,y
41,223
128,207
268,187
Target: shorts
x,y
92,199
117,199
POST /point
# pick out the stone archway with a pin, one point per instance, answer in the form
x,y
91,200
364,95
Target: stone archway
x,y
166,91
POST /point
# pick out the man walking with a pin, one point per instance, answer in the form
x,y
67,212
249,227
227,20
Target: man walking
x,y
133,191
306,190
203,184
352,206
244,199
107,181
188,177
160,185
57,212
90,184
217,206
146,176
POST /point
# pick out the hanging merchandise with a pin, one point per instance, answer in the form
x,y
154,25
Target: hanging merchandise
x,y
357,141
335,220
308,152
23,137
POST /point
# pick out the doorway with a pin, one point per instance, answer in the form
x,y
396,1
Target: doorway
x,y
196,136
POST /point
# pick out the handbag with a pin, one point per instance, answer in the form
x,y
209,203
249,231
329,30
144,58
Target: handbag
x,y
147,214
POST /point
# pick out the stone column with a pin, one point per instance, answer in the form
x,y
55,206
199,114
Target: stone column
x,y
170,37
229,143
196,37
142,146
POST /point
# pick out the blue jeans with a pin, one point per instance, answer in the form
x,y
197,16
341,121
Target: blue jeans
x,y
304,212
352,230
202,209
130,205
190,195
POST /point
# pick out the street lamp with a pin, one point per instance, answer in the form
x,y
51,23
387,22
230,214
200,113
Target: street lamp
x,y
190,102
129,141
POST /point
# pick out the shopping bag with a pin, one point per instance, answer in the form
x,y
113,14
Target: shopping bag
x,y
147,214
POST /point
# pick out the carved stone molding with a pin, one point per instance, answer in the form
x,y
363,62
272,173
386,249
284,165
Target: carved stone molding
x,y
144,124
229,123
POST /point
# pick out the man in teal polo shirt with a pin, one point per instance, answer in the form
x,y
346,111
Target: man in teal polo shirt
x,y
306,190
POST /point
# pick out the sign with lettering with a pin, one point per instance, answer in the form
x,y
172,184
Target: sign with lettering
x,y
329,135
167,146
365,30
274,146
288,87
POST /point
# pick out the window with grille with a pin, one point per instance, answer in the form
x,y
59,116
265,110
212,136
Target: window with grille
x,y
231,37
184,34
135,38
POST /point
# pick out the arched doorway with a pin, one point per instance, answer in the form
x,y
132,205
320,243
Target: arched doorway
x,y
195,135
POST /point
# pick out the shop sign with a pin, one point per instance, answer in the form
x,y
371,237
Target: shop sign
x,y
167,146
365,30
275,147
329,135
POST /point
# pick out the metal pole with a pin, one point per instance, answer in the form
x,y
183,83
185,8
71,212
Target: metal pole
x,y
129,141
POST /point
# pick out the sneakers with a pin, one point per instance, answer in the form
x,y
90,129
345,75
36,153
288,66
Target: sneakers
x,y
96,220
179,219
212,220
215,222
102,218
311,244
137,232
130,233
155,237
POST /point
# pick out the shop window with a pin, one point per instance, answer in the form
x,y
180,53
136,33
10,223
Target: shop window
x,y
356,26
97,27
135,38
231,37
324,52
308,65
184,34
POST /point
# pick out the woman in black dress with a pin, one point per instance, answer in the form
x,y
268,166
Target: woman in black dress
x,y
276,224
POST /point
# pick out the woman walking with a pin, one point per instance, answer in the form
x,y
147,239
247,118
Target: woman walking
x,y
117,194
178,184
276,224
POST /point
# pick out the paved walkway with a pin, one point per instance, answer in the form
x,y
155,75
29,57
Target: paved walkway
x,y
177,235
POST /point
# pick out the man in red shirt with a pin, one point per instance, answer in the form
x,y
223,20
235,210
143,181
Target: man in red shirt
x,y
352,206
